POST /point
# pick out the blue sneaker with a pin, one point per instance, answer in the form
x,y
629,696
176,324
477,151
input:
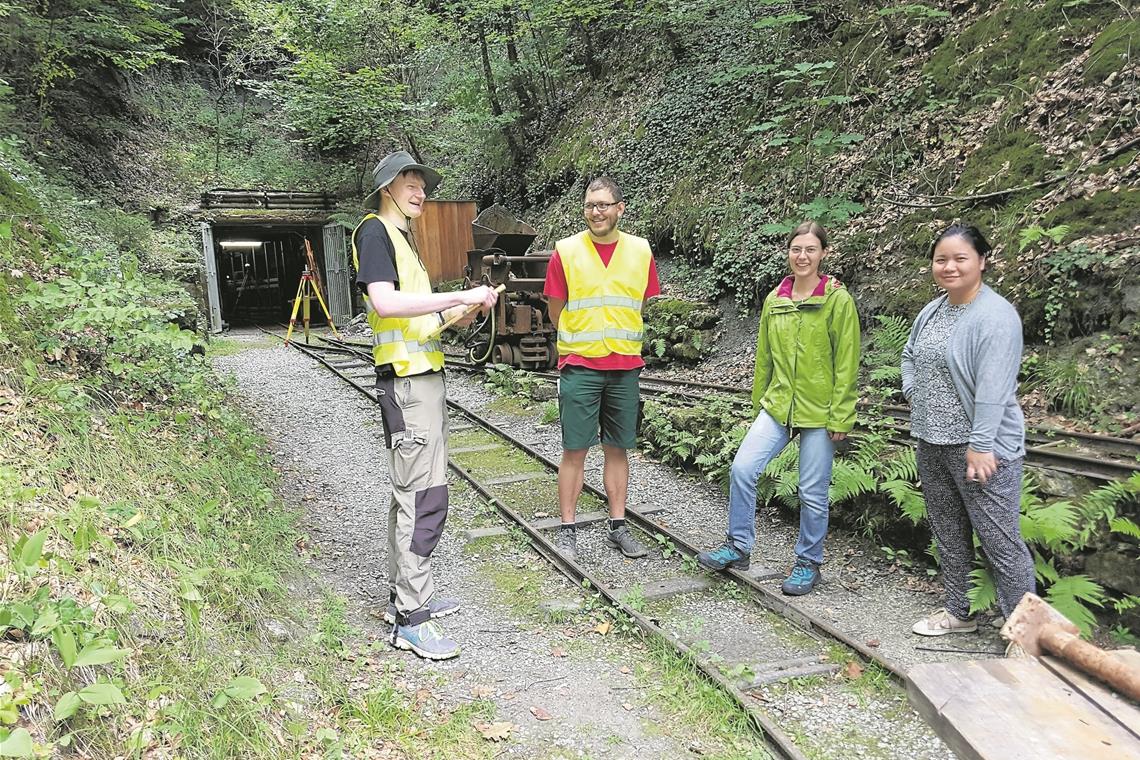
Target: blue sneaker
x,y
426,639
726,555
438,607
805,575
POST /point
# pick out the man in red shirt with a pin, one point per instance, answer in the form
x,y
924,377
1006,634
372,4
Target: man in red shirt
x,y
596,283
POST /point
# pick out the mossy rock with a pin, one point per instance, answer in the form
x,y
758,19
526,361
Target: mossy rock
x,y
1103,213
1009,45
1007,159
1114,50
665,311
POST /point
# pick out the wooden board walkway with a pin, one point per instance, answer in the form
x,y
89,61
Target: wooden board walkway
x,y
1024,709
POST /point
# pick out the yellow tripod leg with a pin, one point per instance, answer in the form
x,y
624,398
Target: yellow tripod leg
x,y
325,309
307,308
293,315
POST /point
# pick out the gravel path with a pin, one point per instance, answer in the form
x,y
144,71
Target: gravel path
x,y
325,443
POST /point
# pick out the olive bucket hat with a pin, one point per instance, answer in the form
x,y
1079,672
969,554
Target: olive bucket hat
x,y
392,166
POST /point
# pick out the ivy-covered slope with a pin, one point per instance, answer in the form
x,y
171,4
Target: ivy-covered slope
x,y
730,122
884,121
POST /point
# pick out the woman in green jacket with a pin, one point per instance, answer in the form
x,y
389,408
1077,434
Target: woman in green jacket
x,y
807,360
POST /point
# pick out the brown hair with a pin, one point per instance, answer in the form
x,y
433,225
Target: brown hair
x,y
810,227
605,183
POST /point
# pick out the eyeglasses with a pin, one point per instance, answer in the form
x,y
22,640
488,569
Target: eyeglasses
x,y
796,251
603,207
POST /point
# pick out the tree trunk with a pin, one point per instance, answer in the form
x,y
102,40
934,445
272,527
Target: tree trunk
x,y
519,83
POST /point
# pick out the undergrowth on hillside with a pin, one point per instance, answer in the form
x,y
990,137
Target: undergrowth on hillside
x,y
875,490
144,549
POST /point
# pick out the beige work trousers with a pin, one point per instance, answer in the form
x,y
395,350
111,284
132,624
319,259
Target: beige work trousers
x,y
414,412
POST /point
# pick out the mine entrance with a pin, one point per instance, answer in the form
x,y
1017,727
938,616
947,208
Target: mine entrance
x,y
256,246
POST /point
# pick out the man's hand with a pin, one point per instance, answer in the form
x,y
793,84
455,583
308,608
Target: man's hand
x,y
980,467
836,437
483,295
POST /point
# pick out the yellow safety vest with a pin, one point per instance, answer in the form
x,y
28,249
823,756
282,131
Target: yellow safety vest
x,y
399,341
602,315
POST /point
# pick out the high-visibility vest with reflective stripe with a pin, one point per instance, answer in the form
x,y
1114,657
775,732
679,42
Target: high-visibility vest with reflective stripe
x,y
400,341
602,315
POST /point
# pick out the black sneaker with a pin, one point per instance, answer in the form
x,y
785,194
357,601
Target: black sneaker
x,y
623,540
567,544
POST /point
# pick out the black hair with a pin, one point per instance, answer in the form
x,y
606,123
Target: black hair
x,y
969,233
810,227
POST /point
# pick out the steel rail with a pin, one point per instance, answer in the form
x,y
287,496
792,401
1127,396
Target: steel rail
x,y
809,622
773,736
768,730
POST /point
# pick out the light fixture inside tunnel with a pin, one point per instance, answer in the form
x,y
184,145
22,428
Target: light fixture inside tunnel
x,y
242,243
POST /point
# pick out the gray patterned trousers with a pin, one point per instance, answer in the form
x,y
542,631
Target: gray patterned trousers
x,y
992,510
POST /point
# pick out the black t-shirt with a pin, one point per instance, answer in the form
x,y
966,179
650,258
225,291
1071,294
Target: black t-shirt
x,y
376,255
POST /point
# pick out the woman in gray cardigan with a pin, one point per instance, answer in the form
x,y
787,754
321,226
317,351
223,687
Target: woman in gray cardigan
x,y
959,372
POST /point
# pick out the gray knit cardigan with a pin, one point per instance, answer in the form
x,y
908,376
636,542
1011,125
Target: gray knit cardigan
x,y
983,356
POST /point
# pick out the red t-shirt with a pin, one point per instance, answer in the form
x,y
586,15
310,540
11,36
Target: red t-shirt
x,y
556,287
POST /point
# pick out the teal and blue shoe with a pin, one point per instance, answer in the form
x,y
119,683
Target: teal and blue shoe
x,y
805,575
723,557
426,639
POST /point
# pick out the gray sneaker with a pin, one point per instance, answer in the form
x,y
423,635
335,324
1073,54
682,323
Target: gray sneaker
x,y
622,539
426,639
567,544
438,607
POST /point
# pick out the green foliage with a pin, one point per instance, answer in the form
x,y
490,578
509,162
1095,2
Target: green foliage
x,y
47,47
705,437
1007,159
339,110
1065,382
1072,595
983,590
677,330
507,380
1008,44
882,358
114,323
1034,233
1060,284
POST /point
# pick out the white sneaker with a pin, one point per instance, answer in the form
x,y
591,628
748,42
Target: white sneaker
x,y
942,623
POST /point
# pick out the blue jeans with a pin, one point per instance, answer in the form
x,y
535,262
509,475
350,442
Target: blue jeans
x,y
767,438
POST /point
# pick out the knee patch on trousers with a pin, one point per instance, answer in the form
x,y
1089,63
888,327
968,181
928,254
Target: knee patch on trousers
x,y
431,513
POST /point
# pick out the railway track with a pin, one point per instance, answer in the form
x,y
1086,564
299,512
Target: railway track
x,y
1098,457
776,656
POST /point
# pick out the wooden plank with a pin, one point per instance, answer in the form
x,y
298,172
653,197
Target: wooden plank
x,y
798,670
473,449
522,477
1111,703
1014,709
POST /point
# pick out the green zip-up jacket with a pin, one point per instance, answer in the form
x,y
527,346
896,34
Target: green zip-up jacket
x,y
807,358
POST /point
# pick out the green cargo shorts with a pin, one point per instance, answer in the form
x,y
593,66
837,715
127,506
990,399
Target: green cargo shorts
x,y
593,400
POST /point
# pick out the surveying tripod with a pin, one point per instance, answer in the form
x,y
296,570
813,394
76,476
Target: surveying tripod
x,y
306,289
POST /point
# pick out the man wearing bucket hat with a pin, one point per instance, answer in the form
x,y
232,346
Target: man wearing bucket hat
x,y
404,315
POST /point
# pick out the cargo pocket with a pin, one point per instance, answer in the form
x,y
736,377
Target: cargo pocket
x,y
391,415
411,461
431,513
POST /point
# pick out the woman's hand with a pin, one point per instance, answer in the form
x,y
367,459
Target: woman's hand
x,y
980,467
836,437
